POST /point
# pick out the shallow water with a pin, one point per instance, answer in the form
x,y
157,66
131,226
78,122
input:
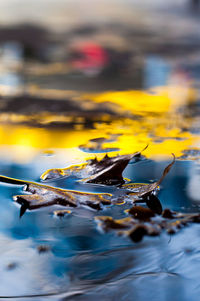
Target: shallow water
x,y
46,257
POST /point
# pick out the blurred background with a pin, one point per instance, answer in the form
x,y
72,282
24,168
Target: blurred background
x,y
69,64
97,45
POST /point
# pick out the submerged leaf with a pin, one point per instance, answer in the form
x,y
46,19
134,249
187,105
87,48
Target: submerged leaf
x,y
108,223
141,213
138,232
143,221
107,171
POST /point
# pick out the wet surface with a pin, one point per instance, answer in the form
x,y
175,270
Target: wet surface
x,y
67,257
55,112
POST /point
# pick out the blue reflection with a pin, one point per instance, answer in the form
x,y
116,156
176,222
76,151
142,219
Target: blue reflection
x,y
156,71
79,257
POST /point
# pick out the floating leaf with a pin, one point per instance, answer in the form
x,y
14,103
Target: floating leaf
x,y
140,190
43,196
107,171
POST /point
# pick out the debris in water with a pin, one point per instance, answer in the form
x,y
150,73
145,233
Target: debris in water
x,y
11,266
141,213
143,222
62,213
43,249
107,171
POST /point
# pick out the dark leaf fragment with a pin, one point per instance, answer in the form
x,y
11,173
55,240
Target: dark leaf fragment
x,y
167,213
107,171
153,203
11,266
23,210
142,222
107,223
43,249
141,213
140,190
61,213
138,232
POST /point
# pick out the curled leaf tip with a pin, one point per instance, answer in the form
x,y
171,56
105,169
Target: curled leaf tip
x,y
167,169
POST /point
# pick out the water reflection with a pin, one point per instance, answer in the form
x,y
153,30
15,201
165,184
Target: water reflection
x,y
67,103
156,71
80,262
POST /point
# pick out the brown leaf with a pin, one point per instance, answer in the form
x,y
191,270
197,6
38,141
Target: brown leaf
x,y
61,213
141,213
140,190
107,171
43,196
167,213
142,223
43,249
138,232
108,223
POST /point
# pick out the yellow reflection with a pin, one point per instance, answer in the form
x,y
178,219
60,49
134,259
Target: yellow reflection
x,y
135,101
26,142
158,125
157,100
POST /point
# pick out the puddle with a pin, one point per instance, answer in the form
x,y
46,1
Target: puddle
x,y
47,257
57,111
